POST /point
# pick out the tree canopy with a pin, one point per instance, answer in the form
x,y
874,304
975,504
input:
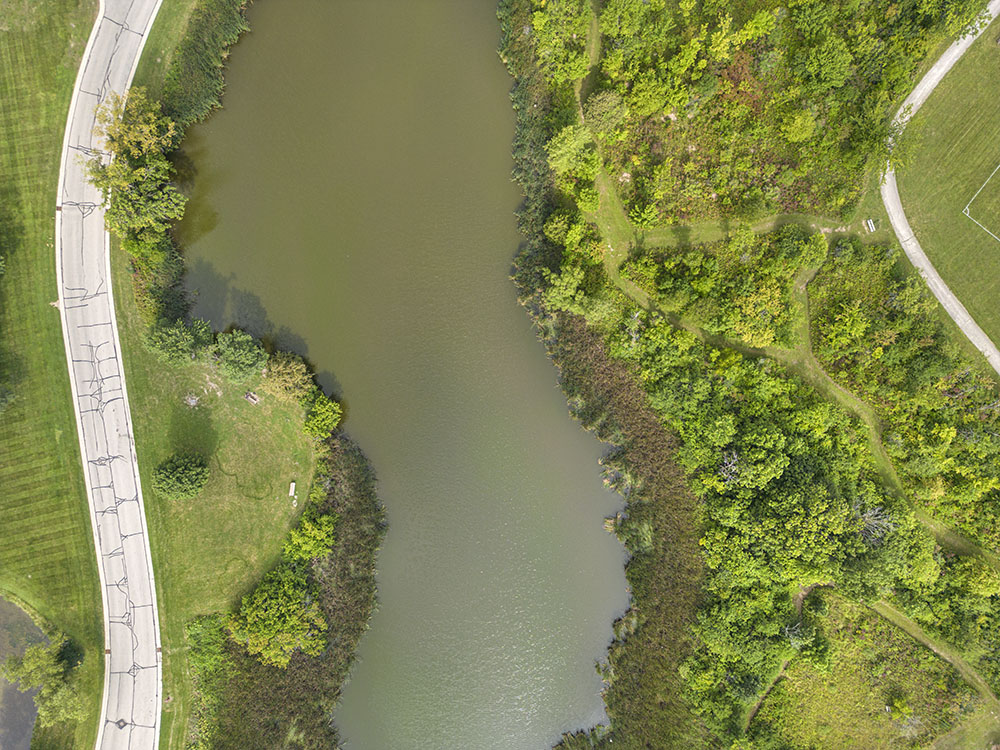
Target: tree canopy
x,y
141,202
279,618
46,668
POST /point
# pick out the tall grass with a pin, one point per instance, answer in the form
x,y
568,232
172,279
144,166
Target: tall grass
x,y
194,81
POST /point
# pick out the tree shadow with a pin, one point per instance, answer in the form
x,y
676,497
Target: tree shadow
x,y
209,291
191,429
221,303
199,216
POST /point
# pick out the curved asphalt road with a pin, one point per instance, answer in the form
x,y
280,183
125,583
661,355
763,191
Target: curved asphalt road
x,y
130,714
890,196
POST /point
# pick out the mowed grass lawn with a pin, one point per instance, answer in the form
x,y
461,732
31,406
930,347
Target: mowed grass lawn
x,y
958,147
47,560
985,205
210,551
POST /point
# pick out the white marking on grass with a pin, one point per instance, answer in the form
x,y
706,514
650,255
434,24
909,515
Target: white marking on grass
x,y
966,209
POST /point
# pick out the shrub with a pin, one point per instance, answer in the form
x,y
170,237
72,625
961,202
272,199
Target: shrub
x,y
323,415
312,539
181,476
240,356
280,617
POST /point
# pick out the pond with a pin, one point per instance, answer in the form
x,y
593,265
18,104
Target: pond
x,y
17,709
353,201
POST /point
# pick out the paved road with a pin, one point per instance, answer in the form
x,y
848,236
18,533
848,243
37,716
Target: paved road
x,y
890,196
130,715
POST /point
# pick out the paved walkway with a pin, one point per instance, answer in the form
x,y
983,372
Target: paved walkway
x,y
893,206
130,715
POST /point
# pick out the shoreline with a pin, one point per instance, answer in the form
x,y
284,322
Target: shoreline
x,y
210,30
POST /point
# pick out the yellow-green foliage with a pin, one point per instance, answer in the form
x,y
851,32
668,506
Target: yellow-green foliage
x,y
279,618
877,688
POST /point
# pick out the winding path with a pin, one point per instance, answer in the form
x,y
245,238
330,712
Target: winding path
x,y
130,712
893,206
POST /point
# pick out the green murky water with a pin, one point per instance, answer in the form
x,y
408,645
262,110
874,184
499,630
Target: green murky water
x,y
353,200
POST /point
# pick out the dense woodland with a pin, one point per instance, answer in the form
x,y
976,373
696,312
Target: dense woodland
x,y
877,332
689,111
734,109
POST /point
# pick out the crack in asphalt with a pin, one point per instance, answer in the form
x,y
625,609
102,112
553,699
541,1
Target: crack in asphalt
x,y
131,705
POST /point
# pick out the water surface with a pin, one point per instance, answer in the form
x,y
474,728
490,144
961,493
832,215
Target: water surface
x,y
353,200
17,709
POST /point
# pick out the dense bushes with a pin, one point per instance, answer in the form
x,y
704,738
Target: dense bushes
x,y
788,491
739,287
745,108
877,333
700,110
561,28
181,476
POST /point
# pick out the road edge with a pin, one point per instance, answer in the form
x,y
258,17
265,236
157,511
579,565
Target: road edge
x,y
894,206
57,247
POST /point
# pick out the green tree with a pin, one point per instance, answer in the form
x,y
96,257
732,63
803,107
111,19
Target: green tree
x,y
799,126
141,203
180,476
239,355
313,538
179,342
571,152
323,415
564,292
47,669
279,618
561,28
287,377
830,62
604,112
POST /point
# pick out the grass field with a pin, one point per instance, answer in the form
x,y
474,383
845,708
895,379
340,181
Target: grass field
x,y
209,551
984,206
958,148
47,557
873,665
